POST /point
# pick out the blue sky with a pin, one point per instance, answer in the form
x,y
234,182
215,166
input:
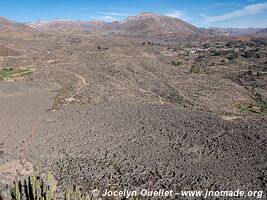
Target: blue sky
x,y
202,13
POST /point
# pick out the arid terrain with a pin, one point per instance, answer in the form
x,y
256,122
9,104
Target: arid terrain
x,y
184,109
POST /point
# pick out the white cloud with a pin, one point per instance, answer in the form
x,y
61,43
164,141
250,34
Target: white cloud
x,y
246,11
111,16
117,14
175,13
107,18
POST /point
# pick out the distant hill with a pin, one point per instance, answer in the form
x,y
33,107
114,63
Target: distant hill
x,y
12,25
262,32
150,23
66,24
235,31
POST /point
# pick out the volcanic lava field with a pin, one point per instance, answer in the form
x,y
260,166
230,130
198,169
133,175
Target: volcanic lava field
x,y
130,111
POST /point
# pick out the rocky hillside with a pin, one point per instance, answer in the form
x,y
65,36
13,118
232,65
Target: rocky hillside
x,y
150,23
66,24
5,51
12,25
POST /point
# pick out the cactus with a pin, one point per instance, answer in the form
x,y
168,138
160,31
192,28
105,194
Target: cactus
x,y
55,196
38,187
67,195
47,195
79,194
17,191
34,187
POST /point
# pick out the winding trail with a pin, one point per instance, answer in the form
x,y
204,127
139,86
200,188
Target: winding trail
x,y
82,84
160,98
82,80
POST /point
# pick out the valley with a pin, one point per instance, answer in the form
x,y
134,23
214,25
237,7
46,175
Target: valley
x,y
111,107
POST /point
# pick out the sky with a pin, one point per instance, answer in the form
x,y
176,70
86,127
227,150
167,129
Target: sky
x,y
201,13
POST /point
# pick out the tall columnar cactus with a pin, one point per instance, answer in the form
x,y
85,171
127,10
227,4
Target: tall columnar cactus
x,y
34,187
79,194
38,187
67,195
17,191
55,196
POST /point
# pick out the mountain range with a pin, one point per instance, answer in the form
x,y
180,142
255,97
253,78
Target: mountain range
x,y
60,24
141,24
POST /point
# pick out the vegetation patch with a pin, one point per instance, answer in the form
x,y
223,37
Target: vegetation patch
x,y
263,106
64,93
14,73
194,69
249,109
39,188
176,63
